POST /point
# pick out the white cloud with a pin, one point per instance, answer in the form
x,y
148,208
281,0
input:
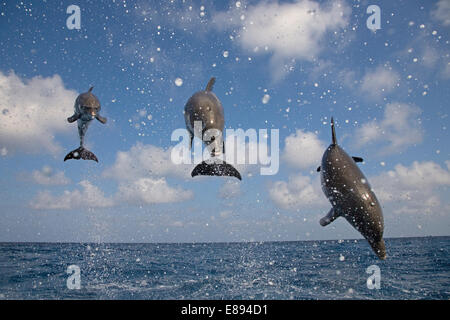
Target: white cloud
x,y
446,71
376,83
399,129
442,12
141,173
414,189
303,150
230,189
89,196
48,177
347,78
149,190
286,30
145,161
32,112
298,193
430,56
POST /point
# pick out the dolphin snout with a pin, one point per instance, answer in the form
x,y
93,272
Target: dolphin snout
x,y
379,248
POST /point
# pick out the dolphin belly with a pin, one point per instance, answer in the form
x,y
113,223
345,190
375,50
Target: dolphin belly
x,y
204,117
86,109
351,196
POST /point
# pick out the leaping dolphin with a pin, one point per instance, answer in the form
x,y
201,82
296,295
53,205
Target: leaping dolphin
x,y
205,107
87,107
351,195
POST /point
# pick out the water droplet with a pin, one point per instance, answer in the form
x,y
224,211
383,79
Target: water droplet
x,y
265,98
178,82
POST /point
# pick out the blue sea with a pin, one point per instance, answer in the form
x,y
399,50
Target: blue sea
x,y
416,268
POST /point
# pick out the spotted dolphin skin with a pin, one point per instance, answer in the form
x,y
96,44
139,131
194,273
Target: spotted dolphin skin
x,y
87,108
205,107
351,195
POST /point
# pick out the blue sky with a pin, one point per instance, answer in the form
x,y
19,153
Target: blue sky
x,y
387,90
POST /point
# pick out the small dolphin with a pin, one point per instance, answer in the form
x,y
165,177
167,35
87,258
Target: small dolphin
x,y
204,106
351,195
87,107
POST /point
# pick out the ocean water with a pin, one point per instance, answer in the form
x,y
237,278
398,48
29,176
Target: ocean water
x,y
416,268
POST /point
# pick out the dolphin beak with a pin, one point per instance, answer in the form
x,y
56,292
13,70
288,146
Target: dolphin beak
x,y
379,248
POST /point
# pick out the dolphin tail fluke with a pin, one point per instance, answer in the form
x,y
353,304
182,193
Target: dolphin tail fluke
x,y
215,169
329,218
333,132
379,248
81,153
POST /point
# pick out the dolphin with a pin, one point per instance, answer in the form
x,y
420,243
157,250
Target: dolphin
x,y
205,107
351,195
87,108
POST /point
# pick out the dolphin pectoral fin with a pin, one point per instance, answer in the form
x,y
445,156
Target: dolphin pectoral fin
x,y
379,248
318,169
81,153
100,118
358,159
215,169
73,118
330,217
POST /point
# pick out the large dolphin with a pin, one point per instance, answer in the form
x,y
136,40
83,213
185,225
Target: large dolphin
x,y
205,107
87,107
351,195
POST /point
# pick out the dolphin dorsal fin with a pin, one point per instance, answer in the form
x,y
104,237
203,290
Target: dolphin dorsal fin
x,y
90,89
333,132
210,84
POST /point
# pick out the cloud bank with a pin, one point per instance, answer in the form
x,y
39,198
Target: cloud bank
x,y
89,196
303,150
141,174
48,177
297,193
400,128
287,31
414,189
32,112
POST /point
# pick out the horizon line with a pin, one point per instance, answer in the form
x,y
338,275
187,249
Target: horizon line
x,y
210,242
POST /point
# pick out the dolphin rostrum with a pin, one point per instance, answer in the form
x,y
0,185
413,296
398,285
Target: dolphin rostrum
x,y
87,107
204,107
351,195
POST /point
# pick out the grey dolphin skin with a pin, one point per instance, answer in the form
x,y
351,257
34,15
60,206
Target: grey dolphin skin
x,y
87,108
205,107
351,195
